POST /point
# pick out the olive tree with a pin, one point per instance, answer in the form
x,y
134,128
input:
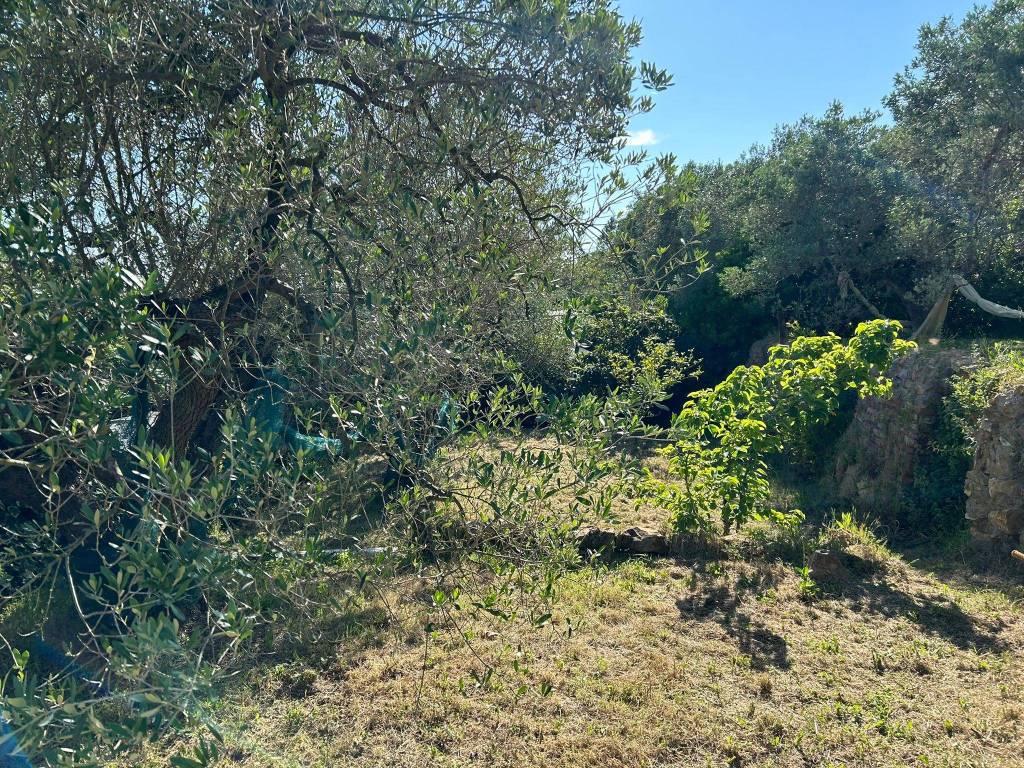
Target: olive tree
x,y
817,218
959,141
262,155
290,226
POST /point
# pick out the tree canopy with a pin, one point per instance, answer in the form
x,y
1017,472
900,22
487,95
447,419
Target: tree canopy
x,y
842,218
261,262
302,299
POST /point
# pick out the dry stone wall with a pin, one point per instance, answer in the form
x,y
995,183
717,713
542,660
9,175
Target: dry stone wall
x,y
995,483
880,452
889,437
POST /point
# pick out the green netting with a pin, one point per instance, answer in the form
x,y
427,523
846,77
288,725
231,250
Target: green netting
x,y
267,406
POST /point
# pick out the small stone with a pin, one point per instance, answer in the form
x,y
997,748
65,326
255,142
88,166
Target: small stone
x,y
643,542
635,541
593,539
827,566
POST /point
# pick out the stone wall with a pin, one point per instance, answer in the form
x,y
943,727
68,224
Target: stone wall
x,y
995,483
881,450
758,353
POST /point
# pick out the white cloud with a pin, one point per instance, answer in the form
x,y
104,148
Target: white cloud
x,y
644,138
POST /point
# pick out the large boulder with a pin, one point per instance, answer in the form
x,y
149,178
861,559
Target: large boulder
x,y
888,437
995,483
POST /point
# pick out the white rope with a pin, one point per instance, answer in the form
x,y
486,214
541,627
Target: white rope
x,y
968,292
931,328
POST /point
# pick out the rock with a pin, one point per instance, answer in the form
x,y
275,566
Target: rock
x,y
878,456
643,542
995,483
828,566
593,539
758,352
635,541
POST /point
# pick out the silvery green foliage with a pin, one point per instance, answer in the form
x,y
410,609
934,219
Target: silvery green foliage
x,y
214,195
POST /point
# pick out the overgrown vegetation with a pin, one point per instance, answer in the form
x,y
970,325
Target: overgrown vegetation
x,y
935,503
263,265
724,436
971,393
315,330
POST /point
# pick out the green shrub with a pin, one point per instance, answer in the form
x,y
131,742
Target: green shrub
x,y
720,327
133,578
540,347
164,569
626,345
725,435
971,393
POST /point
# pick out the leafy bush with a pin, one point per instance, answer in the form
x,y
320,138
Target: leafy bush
x,y
971,393
628,346
133,578
725,435
164,569
319,337
541,348
720,327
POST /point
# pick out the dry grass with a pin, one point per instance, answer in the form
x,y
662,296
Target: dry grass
x,y
719,662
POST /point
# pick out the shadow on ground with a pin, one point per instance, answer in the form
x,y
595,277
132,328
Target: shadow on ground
x,y
724,603
908,597
933,614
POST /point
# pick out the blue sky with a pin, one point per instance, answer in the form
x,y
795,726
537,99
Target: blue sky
x,y
741,67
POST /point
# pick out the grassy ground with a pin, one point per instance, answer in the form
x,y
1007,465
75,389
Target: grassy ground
x,y
730,660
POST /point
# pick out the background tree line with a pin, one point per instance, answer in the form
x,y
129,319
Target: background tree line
x,y
841,218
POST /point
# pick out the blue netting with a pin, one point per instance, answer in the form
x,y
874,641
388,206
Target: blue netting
x,y
63,664
267,406
11,755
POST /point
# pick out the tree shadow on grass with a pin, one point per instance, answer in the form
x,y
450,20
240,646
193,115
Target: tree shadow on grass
x,y
970,565
933,614
868,592
723,604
